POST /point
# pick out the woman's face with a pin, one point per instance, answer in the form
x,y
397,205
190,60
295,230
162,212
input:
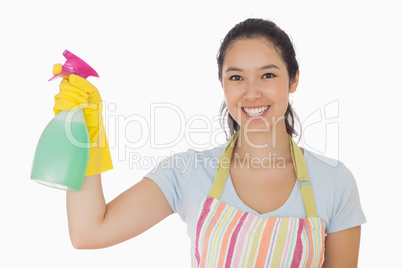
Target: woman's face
x,y
256,84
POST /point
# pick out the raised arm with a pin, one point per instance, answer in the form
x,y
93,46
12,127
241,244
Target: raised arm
x,y
94,224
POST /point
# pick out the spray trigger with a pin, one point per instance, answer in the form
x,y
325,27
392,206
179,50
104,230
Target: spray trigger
x,y
75,65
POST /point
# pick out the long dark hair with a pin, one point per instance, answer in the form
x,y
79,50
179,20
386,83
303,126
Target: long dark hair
x,y
259,28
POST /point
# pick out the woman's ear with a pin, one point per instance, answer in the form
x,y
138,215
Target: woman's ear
x,y
294,83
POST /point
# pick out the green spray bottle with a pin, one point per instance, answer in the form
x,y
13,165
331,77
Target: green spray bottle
x,y
62,152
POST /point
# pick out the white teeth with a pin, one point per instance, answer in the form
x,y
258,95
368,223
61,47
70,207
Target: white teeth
x,y
256,112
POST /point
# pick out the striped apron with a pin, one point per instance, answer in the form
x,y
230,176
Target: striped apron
x,y
227,237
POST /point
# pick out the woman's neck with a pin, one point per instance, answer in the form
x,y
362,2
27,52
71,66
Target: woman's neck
x,y
263,146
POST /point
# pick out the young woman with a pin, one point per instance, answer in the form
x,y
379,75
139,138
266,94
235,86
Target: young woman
x,y
257,201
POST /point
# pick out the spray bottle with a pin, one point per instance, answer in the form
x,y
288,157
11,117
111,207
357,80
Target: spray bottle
x,y
62,152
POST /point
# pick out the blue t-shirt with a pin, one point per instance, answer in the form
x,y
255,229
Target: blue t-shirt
x,y
186,178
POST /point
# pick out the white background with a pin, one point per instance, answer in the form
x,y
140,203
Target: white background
x,y
147,52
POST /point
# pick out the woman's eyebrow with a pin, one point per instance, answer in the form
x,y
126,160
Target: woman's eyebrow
x,y
269,66
265,67
233,69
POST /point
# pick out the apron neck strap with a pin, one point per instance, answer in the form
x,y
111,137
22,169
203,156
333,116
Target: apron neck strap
x,y
298,163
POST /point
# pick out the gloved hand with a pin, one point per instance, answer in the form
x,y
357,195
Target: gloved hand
x,y
77,92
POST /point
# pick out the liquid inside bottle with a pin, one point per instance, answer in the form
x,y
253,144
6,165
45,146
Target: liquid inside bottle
x,y
61,156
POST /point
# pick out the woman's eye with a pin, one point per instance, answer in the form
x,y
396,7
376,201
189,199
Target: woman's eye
x,y
236,78
269,75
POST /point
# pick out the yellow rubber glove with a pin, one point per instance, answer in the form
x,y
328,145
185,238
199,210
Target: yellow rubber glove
x,y
77,92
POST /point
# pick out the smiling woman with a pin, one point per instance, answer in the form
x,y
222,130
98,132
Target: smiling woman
x,y
295,211
277,40
259,84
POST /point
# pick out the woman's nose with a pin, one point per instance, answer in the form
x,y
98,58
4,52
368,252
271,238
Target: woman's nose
x,y
252,91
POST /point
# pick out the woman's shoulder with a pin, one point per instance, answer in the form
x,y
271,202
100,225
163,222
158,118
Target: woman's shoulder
x,y
328,171
335,192
322,162
319,160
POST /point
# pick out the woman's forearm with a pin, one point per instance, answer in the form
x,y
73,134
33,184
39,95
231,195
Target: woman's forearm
x,y
86,210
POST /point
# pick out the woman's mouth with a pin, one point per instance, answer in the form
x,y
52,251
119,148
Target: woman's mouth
x,y
254,112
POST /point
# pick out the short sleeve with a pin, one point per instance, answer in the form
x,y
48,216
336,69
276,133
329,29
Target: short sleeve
x,y
172,175
346,208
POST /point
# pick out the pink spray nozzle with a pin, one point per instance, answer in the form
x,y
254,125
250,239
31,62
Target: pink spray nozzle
x,y
75,65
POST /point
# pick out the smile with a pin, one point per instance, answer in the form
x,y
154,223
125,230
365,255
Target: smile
x,y
252,112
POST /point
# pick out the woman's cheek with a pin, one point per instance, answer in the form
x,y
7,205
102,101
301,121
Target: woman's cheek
x,y
233,95
276,92
232,106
